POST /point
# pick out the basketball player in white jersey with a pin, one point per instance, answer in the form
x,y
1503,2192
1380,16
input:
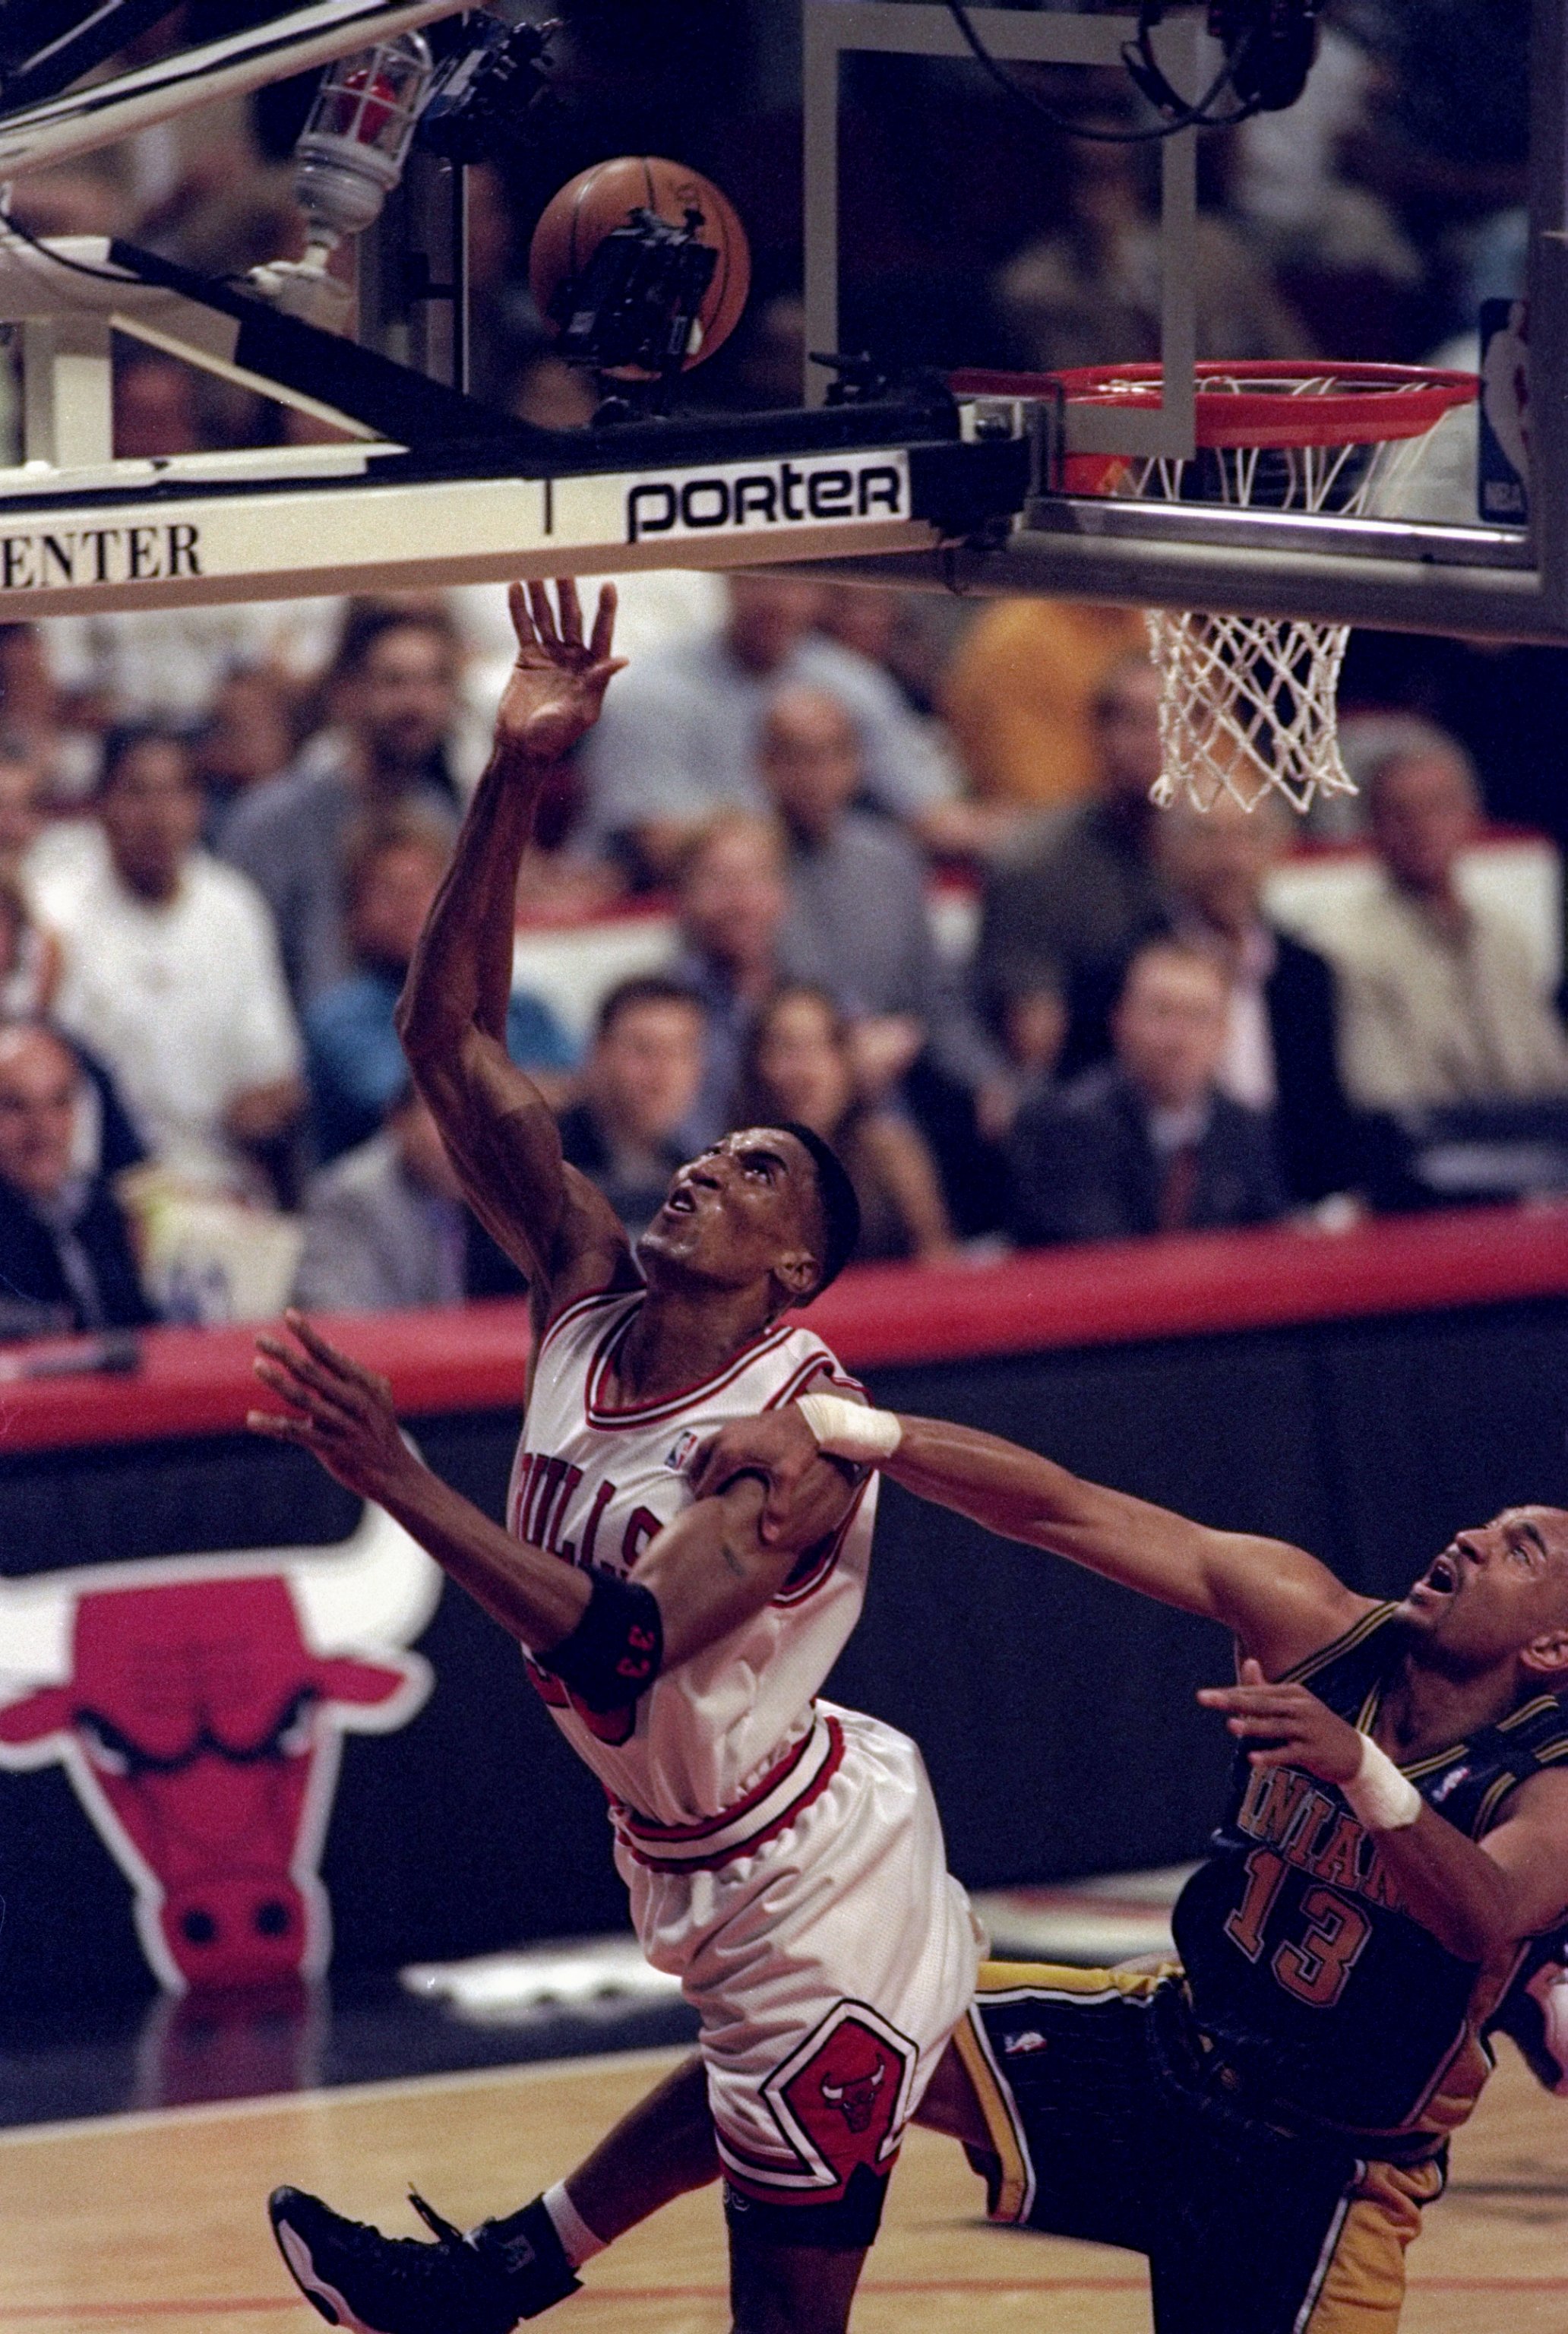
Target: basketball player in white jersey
x,y
785,1859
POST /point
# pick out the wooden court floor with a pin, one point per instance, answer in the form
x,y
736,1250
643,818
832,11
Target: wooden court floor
x,y
153,2223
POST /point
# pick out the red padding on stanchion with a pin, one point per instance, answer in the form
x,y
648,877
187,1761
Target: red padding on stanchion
x,y
196,1382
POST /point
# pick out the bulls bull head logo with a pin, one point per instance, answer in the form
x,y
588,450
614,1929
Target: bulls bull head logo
x,y
198,1704
856,2101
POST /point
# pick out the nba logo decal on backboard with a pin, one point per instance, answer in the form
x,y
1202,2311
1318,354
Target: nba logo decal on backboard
x,y
1502,481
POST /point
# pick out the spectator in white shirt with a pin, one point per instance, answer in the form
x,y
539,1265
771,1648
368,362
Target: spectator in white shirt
x,y
172,976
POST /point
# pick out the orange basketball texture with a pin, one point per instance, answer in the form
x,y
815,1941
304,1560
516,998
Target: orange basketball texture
x,y
575,221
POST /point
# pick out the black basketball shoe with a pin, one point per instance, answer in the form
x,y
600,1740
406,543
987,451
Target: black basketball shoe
x,y
479,2283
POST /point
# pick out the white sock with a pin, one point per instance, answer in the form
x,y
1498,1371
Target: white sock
x,y
578,2240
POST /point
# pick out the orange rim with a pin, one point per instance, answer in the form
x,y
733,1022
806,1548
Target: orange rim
x,y
1260,403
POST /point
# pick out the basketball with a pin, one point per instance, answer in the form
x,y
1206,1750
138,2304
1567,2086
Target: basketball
x,y
587,208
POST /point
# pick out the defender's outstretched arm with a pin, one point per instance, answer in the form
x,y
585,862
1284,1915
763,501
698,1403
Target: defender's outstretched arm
x,y
498,1130
1280,1602
706,1573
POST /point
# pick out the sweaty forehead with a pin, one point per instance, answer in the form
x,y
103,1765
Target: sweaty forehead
x,y
773,1143
1551,1523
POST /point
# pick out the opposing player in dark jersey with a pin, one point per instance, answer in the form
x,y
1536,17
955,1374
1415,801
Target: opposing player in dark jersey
x,y
1266,2118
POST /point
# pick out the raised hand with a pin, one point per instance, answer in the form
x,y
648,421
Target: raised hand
x,y
555,689
1288,1726
338,1410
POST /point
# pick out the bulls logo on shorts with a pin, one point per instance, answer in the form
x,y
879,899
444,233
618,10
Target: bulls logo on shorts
x,y
842,2097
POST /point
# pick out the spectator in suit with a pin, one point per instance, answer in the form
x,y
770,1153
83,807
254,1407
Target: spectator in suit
x,y
1441,1002
676,742
393,694
1082,887
629,1132
1281,1035
384,1224
66,1252
393,865
1146,1142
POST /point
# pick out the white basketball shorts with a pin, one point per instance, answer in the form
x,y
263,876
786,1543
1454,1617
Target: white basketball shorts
x,y
829,1953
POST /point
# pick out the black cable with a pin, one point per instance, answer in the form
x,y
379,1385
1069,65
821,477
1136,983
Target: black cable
x,y
58,259
1193,116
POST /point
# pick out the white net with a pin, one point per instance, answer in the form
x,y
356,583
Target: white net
x,y
1247,703
1246,706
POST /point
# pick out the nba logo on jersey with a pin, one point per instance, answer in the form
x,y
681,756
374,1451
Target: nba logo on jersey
x,y
682,1450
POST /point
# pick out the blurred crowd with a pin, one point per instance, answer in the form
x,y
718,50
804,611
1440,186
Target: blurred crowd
x,y
915,892
897,876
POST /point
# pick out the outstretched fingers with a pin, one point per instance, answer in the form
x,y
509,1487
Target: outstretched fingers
x,y
300,1381
333,1358
544,616
601,645
301,1430
571,617
521,619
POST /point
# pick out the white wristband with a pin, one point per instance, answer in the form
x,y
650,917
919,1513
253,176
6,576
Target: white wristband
x,y
847,1430
1383,1799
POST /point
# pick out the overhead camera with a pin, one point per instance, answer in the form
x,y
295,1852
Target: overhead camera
x,y
1269,48
482,92
636,301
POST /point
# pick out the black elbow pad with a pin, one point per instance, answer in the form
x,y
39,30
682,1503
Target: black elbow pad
x,y
615,1652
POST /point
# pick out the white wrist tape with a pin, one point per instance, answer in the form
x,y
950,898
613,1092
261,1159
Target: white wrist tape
x,y
1383,1799
847,1430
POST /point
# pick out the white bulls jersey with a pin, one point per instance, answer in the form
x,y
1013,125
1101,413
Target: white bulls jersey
x,y
732,1733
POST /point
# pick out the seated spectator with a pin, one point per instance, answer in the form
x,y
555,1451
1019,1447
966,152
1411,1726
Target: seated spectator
x,y
909,635
20,812
246,739
1083,887
1280,1048
1146,1142
384,1224
1021,692
630,1131
1089,292
65,1254
393,692
800,1065
166,665
1441,1002
734,898
393,867
858,922
29,957
678,739
1030,1027
172,976
64,752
